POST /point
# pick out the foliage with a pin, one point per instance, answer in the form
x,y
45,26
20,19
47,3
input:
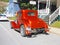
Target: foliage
x,y
4,0
2,9
27,5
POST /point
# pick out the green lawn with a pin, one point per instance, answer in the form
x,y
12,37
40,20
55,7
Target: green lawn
x,y
12,18
56,24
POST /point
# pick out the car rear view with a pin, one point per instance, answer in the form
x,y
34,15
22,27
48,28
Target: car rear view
x,y
27,23
3,18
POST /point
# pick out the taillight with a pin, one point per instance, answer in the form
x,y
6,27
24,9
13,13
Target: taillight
x,y
27,32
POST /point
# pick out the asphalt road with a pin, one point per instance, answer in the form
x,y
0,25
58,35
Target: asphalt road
x,y
10,37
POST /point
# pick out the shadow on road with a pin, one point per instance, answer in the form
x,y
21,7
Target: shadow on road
x,y
34,34
4,20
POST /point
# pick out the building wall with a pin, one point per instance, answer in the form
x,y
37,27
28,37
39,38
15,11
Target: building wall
x,y
53,0
58,3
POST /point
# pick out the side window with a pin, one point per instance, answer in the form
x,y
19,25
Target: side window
x,y
31,14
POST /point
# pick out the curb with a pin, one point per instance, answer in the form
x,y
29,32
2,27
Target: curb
x,y
55,30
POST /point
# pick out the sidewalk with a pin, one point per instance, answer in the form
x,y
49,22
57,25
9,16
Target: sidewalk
x,y
55,30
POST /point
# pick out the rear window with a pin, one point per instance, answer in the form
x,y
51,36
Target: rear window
x,y
19,13
31,14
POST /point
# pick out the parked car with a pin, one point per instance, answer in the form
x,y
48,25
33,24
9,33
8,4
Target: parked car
x,y
27,22
3,18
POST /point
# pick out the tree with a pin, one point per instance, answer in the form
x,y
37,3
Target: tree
x,y
26,5
2,9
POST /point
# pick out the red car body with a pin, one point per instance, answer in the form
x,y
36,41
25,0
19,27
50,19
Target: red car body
x,y
30,20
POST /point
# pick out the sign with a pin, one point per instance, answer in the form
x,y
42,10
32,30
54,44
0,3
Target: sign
x,y
14,0
33,2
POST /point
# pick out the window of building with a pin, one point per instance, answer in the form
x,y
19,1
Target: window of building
x,y
42,5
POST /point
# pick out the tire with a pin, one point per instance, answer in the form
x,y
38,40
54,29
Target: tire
x,y
22,31
44,32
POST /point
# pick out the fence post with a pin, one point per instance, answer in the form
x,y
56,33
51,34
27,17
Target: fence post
x,y
59,15
49,20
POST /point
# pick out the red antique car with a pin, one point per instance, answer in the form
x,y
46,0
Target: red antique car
x,y
27,22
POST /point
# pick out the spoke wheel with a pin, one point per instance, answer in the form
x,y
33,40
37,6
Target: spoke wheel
x,y
22,31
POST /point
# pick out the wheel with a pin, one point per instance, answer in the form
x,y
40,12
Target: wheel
x,y
22,31
44,32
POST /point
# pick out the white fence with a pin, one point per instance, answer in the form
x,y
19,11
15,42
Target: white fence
x,y
54,15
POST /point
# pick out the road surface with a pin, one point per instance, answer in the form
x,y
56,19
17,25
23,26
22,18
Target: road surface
x,y
10,37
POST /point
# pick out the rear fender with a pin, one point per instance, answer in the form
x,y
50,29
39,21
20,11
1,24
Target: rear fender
x,y
14,25
44,25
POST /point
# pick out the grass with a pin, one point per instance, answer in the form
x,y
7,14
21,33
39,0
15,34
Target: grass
x,y
12,18
56,24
